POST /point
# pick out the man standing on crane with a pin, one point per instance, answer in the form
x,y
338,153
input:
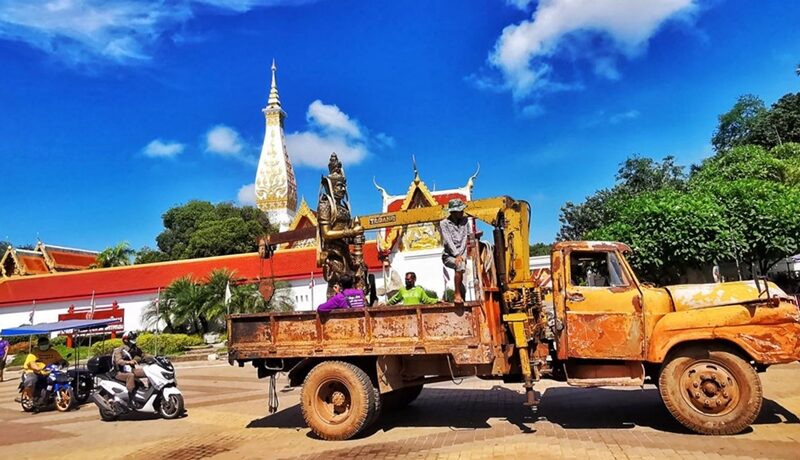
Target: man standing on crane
x,y
455,230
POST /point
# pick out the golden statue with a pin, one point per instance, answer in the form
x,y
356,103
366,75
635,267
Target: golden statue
x,y
337,231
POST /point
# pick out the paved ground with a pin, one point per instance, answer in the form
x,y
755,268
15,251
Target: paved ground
x,y
226,418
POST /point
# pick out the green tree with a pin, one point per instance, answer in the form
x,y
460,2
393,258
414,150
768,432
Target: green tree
x,y
199,305
148,255
739,125
782,123
202,229
541,249
635,176
669,232
115,256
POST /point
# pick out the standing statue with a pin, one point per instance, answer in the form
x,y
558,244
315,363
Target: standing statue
x,y
337,231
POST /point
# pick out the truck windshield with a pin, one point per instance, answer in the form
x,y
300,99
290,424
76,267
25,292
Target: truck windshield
x,y
596,269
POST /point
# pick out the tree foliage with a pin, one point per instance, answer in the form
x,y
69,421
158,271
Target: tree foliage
x,y
148,255
202,229
115,256
635,176
541,249
740,124
749,122
191,305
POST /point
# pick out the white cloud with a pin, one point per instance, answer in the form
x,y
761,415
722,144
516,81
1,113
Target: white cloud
x,y
331,130
247,195
224,140
313,149
623,116
160,149
532,110
521,4
522,52
331,119
119,31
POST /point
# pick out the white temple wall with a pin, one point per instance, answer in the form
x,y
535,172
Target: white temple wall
x,y
133,305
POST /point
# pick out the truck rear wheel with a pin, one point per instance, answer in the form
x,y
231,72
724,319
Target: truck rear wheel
x,y
711,391
338,400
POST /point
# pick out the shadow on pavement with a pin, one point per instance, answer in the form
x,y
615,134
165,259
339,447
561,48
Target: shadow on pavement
x,y
570,408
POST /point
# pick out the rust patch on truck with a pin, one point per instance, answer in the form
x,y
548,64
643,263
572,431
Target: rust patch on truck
x,y
604,335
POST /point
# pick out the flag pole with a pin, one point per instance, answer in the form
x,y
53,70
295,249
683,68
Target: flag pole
x,y
91,316
158,319
30,319
311,285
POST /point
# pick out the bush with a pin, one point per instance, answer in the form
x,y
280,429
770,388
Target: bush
x,y
105,347
168,344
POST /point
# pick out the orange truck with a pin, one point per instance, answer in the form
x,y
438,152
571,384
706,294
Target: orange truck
x,y
702,345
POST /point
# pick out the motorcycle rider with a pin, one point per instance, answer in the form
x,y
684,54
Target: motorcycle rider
x,y
36,361
126,359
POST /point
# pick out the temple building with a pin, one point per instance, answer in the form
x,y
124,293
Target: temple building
x,y
275,186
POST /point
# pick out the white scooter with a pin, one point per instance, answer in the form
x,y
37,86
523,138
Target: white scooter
x,y
162,396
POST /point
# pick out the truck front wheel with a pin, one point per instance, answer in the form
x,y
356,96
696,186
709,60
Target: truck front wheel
x,y
710,391
337,400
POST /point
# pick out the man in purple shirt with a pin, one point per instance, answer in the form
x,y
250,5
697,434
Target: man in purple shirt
x,y
3,356
349,297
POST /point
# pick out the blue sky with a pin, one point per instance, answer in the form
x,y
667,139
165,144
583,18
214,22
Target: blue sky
x,y
112,112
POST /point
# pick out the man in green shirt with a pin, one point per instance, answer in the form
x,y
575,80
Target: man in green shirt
x,y
411,294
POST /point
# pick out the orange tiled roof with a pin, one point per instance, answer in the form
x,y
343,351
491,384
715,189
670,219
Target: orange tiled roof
x,y
63,259
148,278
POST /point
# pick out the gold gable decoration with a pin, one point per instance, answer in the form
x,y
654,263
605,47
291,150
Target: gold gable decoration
x,y
424,236
305,217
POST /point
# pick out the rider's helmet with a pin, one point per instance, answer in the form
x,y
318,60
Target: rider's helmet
x,y
129,338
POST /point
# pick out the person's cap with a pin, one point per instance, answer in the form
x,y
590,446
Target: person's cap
x,y
456,205
42,340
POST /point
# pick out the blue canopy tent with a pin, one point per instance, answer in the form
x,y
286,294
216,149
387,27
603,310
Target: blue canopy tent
x,y
46,328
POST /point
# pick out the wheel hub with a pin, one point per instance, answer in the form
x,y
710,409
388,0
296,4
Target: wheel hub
x,y
710,388
338,399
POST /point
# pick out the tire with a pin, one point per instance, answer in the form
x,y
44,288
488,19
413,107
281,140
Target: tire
x,y
376,412
171,407
401,398
338,400
106,416
27,404
64,399
711,391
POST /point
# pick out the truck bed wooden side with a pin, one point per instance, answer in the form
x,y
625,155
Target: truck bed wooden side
x,y
391,330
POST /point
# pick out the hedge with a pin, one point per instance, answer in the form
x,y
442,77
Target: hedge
x,y
168,344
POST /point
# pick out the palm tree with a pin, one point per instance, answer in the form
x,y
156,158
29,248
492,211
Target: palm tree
x,y
247,299
187,297
216,284
115,256
159,309
797,70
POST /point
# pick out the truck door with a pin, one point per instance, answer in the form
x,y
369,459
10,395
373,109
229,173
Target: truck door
x,y
603,307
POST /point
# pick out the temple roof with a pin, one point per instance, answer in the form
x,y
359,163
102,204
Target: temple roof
x,y
305,217
61,258
418,195
20,262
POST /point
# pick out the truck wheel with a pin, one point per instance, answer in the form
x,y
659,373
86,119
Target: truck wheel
x,y
399,399
711,391
337,400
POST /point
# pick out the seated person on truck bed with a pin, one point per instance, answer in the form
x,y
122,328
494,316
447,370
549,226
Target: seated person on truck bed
x,y
412,294
349,297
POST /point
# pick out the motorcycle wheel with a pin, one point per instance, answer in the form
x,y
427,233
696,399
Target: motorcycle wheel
x,y
171,407
106,416
65,399
27,403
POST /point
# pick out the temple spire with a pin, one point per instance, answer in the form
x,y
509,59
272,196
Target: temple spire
x,y
274,100
275,186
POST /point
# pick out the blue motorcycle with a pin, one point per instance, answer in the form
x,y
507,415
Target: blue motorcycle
x,y
52,388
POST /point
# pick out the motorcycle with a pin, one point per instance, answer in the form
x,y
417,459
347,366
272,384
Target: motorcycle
x,y
54,388
161,396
